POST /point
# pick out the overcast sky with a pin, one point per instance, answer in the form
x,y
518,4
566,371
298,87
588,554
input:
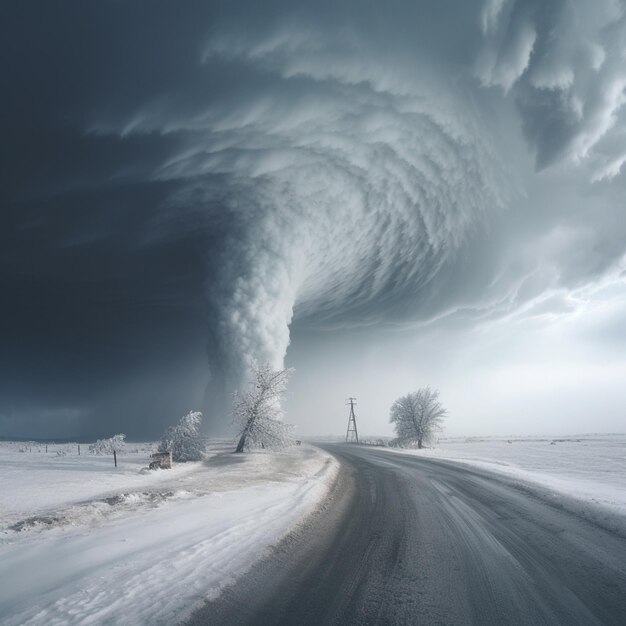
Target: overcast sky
x,y
382,195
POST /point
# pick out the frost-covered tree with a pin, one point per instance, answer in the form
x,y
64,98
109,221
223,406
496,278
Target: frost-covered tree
x,y
258,413
112,445
108,446
184,439
417,416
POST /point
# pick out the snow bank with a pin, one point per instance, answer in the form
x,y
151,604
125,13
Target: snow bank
x,y
154,551
588,468
35,481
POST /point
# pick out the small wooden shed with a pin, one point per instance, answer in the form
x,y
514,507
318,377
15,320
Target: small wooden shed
x,y
161,460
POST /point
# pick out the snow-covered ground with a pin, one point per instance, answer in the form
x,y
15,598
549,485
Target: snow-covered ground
x,y
84,543
588,468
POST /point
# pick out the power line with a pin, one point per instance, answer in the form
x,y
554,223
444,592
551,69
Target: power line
x,y
352,436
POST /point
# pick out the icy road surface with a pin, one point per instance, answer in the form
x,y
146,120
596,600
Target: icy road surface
x,y
83,544
412,540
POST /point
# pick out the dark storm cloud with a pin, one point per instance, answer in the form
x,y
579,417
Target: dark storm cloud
x,y
99,280
177,175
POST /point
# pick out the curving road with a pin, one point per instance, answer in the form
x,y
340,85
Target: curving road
x,y
406,540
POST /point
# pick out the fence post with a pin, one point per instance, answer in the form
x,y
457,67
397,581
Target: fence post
x,y
115,458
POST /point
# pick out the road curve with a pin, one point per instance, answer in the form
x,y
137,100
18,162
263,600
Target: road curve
x,y
407,540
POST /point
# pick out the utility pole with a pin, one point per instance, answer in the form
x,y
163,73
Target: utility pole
x,y
352,436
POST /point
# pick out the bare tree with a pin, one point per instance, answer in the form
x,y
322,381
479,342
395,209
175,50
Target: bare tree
x,y
417,416
258,412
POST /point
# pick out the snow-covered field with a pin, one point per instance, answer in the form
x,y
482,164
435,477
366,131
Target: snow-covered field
x,y
84,543
588,468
